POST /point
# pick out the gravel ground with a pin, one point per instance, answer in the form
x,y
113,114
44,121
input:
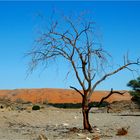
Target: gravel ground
x,y
66,124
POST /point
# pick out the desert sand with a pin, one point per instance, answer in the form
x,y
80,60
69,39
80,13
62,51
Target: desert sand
x,y
57,95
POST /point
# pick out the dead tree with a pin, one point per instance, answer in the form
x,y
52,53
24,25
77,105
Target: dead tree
x,y
76,43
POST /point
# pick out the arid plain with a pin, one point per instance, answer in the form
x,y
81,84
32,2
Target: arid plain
x,y
19,122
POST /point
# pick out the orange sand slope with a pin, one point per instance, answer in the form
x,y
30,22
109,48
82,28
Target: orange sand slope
x,y
56,95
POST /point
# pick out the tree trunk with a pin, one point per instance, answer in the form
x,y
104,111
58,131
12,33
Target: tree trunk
x,y
85,111
86,123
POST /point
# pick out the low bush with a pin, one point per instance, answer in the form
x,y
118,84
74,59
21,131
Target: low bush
x,y
36,107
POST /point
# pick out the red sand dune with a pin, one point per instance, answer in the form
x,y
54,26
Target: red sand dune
x,y
57,95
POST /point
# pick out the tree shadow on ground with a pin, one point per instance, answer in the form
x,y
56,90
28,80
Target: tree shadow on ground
x,y
136,115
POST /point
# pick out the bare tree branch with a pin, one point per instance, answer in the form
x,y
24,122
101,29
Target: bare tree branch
x,y
112,73
72,25
110,94
77,91
106,97
77,75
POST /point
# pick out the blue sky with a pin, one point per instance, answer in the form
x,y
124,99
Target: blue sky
x,y
119,23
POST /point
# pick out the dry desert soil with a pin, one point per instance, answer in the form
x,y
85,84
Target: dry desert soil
x,y
19,122
66,124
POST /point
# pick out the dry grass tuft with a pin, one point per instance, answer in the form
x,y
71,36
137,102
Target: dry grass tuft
x,y
42,137
122,131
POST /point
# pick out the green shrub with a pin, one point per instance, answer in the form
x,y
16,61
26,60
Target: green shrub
x,y
135,92
36,107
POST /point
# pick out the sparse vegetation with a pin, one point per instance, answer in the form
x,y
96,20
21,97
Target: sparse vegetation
x,y
77,105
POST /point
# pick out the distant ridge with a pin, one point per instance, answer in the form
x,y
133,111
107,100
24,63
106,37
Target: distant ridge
x,y
53,95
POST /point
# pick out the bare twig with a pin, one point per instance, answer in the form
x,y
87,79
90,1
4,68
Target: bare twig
x,y
77,90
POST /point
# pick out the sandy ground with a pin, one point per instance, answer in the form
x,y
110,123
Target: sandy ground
x,y
56,124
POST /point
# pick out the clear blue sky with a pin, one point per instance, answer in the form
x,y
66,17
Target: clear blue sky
x,y
119,23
